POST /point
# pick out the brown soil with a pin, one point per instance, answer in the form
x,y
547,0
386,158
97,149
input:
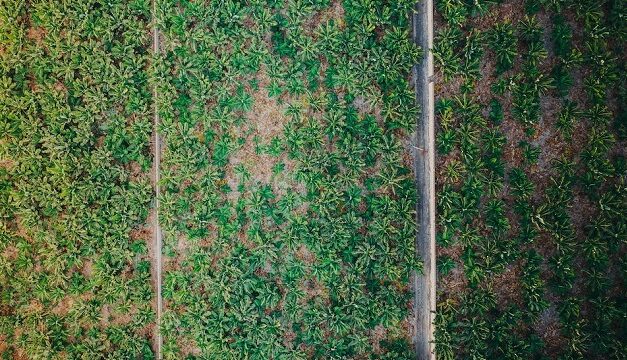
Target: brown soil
x,y
549,329
21,231
314,290
265,121
20,355
3,344
88,268
305,255
378,334
109,316
188,347
267,116
289,337
455,283
136,172
508,286
510,11
60,87
364,108
64,306
7,164
10,253
36,34
334,12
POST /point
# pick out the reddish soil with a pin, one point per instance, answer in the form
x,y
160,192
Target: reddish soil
x,y
455,283
510,294
378,334
64,306
335,12
36,34
549,329
6,164
305,255
265,122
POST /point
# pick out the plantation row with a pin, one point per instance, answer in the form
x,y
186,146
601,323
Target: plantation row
x,y
287,196
530,107
75,191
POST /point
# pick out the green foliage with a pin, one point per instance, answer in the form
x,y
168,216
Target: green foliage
x,y
454,12
445,51
567,118
458,55
503,42
445,265
536,224
74,188
496,111
288,206
562,37
530,153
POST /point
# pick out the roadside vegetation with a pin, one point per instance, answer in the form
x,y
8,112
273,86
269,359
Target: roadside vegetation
x,y
531,179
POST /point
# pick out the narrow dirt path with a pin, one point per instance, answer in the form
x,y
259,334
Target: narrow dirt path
x,y
424,160
157,162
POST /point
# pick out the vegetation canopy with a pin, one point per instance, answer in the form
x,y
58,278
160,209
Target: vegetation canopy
x,y
287,196
530,179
